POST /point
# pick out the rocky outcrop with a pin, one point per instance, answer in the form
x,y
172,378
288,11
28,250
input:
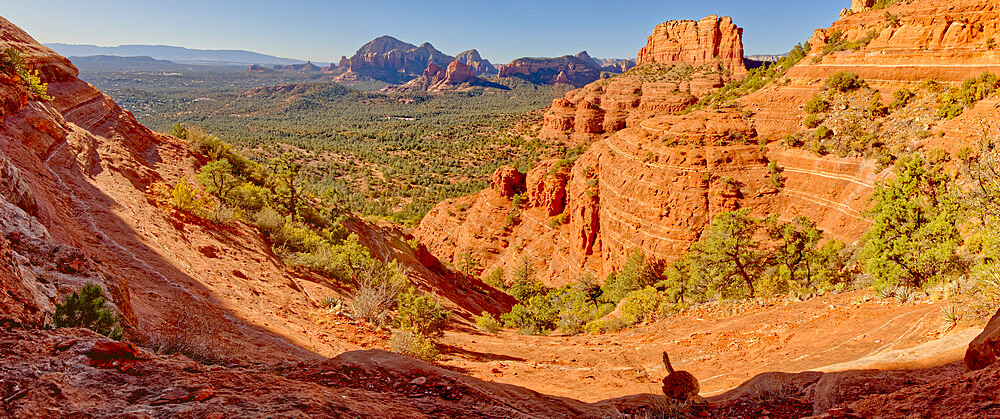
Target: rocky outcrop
x,y
307,67
610,105
478,64
546,185
985,348
910,42
861,5
711,41
458,75
663,86
653,179
391,60
260,69
616,65
577,70
507,181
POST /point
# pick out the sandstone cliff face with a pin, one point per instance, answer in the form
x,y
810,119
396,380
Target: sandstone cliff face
x,y
391,60
946,41
577,70
709,46
643,188
609,105
710,41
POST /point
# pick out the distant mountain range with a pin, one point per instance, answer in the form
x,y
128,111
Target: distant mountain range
x,y
385,59
178,55
115,63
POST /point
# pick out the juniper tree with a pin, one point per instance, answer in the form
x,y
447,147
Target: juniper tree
x,y
914,233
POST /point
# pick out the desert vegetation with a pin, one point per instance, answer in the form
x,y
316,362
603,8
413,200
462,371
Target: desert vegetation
x,y
849,118
88,309
12,65
375,154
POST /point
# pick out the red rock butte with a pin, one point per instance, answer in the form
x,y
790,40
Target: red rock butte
x,y
711,40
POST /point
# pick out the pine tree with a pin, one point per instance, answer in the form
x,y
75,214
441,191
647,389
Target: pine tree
x,y
88,309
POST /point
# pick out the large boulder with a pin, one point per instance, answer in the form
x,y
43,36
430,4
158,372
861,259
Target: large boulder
x,y
984,349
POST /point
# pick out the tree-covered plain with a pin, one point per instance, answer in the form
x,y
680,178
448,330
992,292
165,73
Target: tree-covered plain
x,y
386,155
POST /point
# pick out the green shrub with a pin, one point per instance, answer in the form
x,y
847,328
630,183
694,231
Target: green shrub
x,y
641,304
496,279
88,309
914,236
635,274
558,220
519,200
420,313
412,343
845,81
187,198
217,178
953,103
512,219
297,237
606,325
812,121
535,316
523,285
487,322
823,133
836,42
876,109
901,98
269,221
882,4
892,19
816,105
378,289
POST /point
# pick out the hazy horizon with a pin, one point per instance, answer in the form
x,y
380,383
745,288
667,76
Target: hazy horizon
x,y
322,32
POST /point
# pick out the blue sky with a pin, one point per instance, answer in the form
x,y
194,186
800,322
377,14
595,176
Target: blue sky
x,y
322,31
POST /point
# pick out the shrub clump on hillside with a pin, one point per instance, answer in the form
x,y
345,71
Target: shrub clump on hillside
x,y
844,81
412,343
953,102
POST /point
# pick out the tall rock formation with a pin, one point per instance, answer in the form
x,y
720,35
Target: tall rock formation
x,y
479,64
390,60
606,106
709,41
